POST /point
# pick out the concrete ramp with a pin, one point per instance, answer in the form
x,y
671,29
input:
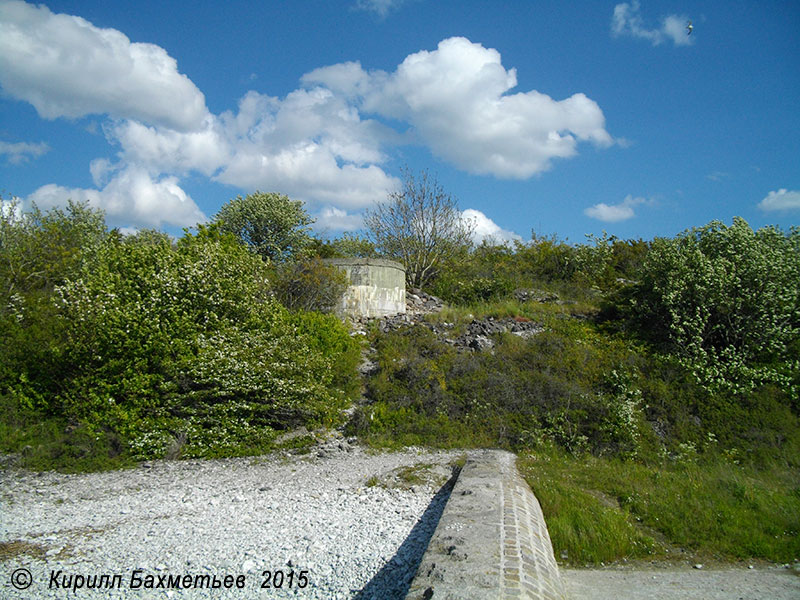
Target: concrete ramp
x,y
491,541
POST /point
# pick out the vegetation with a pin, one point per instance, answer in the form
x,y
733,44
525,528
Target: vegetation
x,y
272,225
420,226
309,285
141,348
657,414
656,411
690,508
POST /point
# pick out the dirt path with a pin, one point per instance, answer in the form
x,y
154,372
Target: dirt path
x,y
682,583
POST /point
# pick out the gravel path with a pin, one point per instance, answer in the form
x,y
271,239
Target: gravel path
x,y
320,524
682,584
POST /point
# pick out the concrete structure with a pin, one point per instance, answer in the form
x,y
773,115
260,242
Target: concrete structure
x,y
377,287
491,541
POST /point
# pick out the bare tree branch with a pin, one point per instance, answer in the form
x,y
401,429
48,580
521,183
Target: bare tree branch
x,y
419,225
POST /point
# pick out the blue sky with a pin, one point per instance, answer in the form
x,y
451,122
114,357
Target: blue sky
x,y
565,118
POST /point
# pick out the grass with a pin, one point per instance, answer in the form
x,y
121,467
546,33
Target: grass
x,y
16,548
44,443
606,509
418,474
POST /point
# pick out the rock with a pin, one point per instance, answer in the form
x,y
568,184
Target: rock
x,y
534,295
249,565
481,342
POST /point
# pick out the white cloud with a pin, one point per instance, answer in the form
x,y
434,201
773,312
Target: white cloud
x,y
66,67
627,20
380,7
455,100
783,200
325,143
486,229
21,152
131,198
311,146
167,150
336,219
612,213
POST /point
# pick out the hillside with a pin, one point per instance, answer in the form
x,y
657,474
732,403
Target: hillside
x,y
650,388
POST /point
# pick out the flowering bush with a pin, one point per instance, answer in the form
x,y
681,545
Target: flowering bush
x,y
727,299
178,348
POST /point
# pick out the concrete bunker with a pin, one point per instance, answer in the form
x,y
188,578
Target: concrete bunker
x,y
377,287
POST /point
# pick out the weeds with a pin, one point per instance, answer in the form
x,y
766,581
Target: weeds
x,y
605,509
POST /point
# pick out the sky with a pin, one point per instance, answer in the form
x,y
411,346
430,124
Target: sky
x,y
539,117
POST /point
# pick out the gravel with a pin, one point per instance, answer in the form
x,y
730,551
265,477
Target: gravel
x,y
338,523
686,583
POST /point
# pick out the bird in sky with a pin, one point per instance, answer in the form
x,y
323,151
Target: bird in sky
x,y
689,28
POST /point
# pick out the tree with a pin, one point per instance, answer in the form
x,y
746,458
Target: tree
x,y
271,225
420,225
39,249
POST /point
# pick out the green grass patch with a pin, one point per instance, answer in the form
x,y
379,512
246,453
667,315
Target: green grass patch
x,y
605,509
43,443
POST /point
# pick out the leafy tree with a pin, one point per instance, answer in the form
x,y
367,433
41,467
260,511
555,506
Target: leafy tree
x,y
353,246
271,225
420,225
39,250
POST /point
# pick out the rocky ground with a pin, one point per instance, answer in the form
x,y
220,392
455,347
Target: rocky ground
x,y
478,334
338,522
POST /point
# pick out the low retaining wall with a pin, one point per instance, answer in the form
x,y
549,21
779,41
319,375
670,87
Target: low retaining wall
x,y
491,541
377,287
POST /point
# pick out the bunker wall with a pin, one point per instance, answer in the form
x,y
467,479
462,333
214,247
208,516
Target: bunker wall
x,y
377,287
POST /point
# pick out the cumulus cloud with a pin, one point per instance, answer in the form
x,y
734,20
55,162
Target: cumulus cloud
x,y
167,150
66,67
21,152
627,21
456,101
613,213
781,201
312,145
337,219
486,229
131,198
326,143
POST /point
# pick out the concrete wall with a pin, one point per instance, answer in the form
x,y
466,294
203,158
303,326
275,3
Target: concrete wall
x,y
377,287
491,541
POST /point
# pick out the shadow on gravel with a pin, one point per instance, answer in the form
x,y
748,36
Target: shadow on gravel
x,y
393,581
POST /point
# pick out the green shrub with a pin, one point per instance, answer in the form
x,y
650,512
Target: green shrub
x,y
328,336
579,393
310,285
726,299
459,289
546,259
171,349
